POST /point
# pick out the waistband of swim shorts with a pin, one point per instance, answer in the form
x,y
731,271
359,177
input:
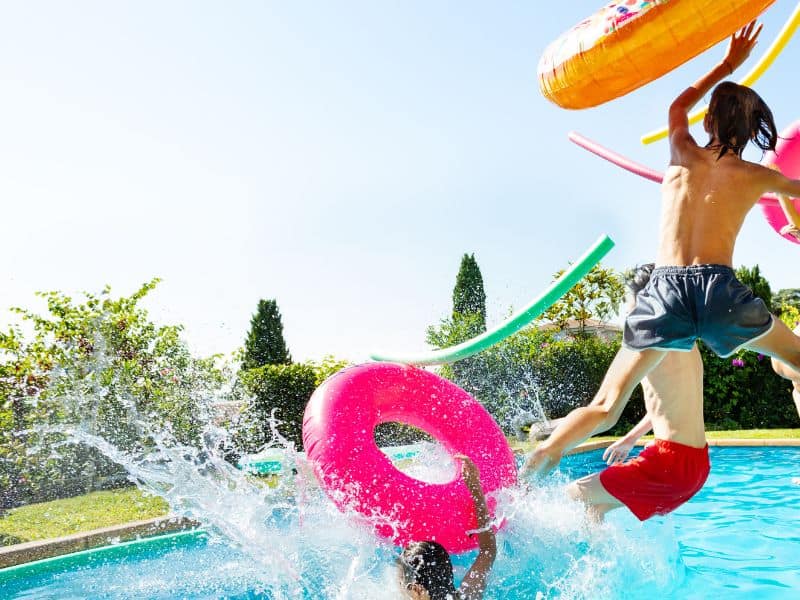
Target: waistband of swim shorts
x,y
693,270
678,447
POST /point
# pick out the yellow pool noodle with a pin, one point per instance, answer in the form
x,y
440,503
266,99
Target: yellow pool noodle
x,y
757,71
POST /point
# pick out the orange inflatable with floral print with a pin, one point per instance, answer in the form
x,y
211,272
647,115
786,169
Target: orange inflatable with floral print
x,y
633,42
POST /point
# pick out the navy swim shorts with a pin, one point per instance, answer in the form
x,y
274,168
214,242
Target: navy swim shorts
x,y
682,304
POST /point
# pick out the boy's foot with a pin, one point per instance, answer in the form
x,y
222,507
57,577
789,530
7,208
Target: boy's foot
x,y
791,230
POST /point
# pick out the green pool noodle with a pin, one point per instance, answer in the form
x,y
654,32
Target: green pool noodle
x,y
516,321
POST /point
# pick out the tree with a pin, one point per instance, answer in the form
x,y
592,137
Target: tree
x,y
265,344
753,279
784,299
469,303
596,295
468,317
469,297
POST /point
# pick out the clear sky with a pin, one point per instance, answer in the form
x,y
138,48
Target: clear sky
x,y
338,157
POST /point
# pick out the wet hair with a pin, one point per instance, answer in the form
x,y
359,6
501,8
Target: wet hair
x,y
428,564
737,115
637,278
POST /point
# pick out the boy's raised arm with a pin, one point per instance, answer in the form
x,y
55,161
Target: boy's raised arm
x,y
739,48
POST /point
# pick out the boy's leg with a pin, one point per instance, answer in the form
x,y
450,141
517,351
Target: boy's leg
x,y
627,369
780,343
591,492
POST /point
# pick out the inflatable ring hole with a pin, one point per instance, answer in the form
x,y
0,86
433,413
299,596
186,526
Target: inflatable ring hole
x,y
422,456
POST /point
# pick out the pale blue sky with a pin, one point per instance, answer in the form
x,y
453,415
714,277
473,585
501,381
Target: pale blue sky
x,y
339,157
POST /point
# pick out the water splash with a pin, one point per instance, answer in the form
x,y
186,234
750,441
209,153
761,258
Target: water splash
x,y
282,538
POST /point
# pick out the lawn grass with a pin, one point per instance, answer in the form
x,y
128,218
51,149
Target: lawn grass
x,y
754,434
81,513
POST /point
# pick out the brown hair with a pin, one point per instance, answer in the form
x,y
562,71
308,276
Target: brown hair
x,y
736,116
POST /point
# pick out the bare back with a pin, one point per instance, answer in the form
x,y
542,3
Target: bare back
x,y
673,395
704,201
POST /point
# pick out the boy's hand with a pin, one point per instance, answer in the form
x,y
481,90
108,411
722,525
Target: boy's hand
x,y
617,452
791,230
741,44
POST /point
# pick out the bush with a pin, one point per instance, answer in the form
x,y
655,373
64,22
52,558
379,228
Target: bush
x,y
540,373
91,364
743,392
279,394
279,391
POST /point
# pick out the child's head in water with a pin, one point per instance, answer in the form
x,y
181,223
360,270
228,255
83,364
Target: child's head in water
x,y
426,572
737,115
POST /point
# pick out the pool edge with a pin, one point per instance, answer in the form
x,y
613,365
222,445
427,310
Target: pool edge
x,y
38,550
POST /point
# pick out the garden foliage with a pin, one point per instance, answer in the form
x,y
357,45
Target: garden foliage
x,y
91,364
278,397
539,374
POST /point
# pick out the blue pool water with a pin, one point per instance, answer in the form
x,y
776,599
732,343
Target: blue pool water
x,y
738,538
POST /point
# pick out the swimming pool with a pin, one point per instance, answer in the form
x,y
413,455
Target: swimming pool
x,y
740,535
737,538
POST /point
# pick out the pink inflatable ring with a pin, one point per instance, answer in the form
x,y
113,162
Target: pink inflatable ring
x,y
339,441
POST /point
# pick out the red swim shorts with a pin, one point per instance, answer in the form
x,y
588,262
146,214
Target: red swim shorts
x,y
664,476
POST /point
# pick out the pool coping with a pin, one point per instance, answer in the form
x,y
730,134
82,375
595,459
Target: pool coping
x,y
736,442
27,552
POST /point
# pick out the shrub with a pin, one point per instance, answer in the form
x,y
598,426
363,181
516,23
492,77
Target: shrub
x,y
539,373
91,364
743,392
279,391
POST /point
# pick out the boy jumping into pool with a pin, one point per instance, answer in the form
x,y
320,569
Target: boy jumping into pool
x,y
675,466
693,293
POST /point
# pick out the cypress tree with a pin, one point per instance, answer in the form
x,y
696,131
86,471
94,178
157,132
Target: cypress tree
x,y
469,298
265,344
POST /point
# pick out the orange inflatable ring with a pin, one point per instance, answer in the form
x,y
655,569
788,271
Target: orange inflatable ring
x,y
630,43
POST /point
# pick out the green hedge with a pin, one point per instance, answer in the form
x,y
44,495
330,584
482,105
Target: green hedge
x,y
539,371
279,394
743,392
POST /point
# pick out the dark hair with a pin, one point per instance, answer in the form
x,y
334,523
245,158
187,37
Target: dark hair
x,y
428,564
738,115
638,277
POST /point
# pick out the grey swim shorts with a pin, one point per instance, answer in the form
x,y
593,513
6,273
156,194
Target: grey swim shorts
x,y
682,304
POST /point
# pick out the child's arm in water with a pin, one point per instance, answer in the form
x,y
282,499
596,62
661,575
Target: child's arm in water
x,y
619,450
474,583
739,48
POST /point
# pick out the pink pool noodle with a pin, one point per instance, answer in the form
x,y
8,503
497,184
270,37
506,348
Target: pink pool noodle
x,y
786,157
615,158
